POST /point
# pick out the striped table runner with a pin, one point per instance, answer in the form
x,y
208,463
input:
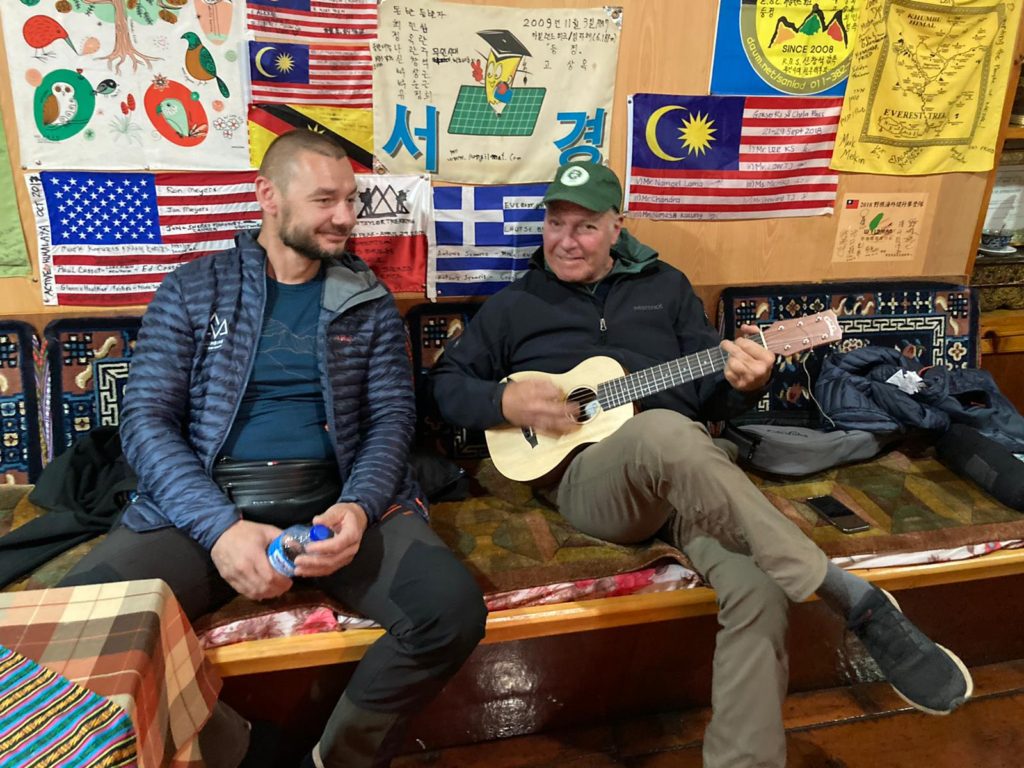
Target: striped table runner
x,y
47,720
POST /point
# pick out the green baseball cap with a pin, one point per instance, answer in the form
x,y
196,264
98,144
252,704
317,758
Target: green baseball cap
x,y
590,185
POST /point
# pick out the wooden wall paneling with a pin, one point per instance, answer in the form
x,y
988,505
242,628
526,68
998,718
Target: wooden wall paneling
x,y
1004,134
666,47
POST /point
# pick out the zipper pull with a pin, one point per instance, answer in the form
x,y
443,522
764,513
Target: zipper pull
x,y
603,326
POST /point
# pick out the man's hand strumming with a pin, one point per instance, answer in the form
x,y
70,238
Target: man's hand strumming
x,y
540,404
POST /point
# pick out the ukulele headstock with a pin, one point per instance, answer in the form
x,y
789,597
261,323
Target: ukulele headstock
x,y
798,334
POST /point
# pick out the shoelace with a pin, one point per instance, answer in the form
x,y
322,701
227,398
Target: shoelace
x,y
883,629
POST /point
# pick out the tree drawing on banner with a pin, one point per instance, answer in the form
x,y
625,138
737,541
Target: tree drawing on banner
x,y
123,14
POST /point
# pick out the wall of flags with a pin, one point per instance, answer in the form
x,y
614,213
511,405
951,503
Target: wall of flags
x,y
137,134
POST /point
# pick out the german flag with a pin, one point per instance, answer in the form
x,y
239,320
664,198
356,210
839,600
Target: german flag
x,y
352,127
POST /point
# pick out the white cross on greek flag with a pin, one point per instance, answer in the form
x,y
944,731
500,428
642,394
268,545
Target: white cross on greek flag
x,y
485,236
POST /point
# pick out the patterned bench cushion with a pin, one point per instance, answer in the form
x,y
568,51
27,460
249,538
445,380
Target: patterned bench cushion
x,y
936,323
88,360
87,366
21,456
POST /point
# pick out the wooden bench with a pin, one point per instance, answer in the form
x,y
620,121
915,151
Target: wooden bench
x,y
278,654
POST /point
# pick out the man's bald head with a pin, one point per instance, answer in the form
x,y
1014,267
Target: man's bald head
x,y
277,165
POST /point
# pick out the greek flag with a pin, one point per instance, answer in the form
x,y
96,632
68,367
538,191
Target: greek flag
x,y
485,236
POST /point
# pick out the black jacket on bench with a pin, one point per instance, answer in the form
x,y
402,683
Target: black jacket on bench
x,y
83,490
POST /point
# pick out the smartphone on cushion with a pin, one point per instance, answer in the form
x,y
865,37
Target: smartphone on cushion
x,y
834,512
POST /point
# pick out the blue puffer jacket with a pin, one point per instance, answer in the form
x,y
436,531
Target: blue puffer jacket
x,y
854,393
192,362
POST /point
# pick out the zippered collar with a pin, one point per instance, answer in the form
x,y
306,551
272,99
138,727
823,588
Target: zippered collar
x,y
348,281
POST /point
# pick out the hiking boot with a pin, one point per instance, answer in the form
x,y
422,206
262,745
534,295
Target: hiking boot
x,y
926,675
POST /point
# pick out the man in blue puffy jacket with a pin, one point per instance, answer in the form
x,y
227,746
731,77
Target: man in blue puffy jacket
x,y
271,386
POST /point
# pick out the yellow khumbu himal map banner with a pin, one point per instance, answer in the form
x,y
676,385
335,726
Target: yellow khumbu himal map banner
x,y
926,86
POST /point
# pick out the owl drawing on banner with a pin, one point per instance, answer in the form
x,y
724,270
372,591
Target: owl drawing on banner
x,y
61,106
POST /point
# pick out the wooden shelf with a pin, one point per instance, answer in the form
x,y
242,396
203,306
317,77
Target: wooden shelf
x,y
1002,331
1015,132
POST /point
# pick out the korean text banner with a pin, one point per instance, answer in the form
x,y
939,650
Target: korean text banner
x,y
767,48
147,84
108,239
727,157
488,94
485,237
926,86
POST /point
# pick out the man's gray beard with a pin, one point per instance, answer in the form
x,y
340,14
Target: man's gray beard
x,y
306,246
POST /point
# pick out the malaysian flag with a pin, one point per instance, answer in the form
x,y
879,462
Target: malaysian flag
x,y
711,157
311,21
293,73
485,237
109,238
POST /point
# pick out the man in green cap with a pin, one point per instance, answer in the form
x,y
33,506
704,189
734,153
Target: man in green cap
x,y
593,289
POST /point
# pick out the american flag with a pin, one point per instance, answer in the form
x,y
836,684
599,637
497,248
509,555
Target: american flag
x,y
293,73
711,157
108,239
103,241
485,237
312,21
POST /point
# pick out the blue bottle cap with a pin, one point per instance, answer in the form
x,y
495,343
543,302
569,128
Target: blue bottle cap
x,y
320,533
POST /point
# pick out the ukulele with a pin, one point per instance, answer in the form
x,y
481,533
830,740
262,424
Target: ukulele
x,y
604,393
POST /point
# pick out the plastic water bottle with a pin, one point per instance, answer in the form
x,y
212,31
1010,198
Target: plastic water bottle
x,y
292,542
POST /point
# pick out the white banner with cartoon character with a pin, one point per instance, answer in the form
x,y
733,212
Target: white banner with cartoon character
x,y
120,84
488,94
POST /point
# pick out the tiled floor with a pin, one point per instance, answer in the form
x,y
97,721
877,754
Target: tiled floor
x,y
865,726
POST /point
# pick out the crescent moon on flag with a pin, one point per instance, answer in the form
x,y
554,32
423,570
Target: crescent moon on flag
x,y
258,61
652,132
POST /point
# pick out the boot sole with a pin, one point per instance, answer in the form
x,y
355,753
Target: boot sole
x,y
954,658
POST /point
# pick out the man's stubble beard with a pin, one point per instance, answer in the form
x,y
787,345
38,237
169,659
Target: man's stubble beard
x,y
304,243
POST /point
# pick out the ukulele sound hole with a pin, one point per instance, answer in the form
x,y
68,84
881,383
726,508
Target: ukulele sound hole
x,y
586,399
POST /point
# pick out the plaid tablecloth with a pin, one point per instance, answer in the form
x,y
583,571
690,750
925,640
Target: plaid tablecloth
x,y
129,642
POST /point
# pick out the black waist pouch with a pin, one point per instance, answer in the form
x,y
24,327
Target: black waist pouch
x,y
280,493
